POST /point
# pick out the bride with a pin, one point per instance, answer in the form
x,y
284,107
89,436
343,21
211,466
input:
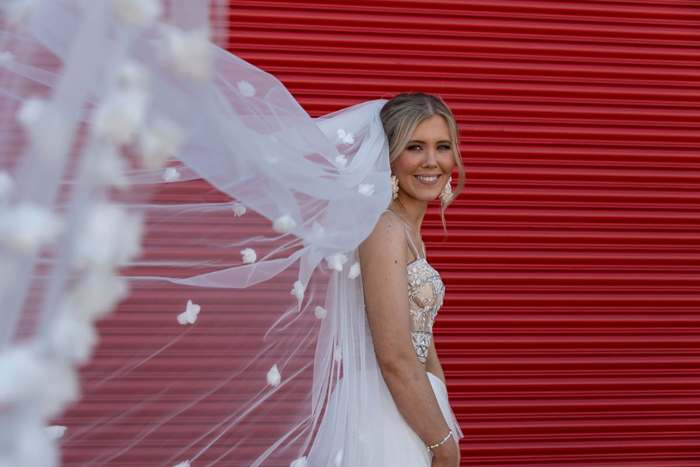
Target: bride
x,y
423,150
343,372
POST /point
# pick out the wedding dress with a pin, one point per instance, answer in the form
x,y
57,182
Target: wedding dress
x,y
395,443
258,350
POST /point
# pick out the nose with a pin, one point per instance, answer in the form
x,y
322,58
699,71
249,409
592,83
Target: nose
x,y
430,158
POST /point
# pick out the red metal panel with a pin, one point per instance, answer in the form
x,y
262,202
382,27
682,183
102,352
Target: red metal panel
x,y
570,333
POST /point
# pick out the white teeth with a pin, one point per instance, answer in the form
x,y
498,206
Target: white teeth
x,y
427,179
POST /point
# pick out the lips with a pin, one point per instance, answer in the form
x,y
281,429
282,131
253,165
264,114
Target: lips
x,y
427,179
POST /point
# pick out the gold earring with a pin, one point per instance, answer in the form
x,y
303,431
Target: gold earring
x,y
446,193
394,187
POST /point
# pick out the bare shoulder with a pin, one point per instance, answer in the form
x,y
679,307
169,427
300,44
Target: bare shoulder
x,y
387,240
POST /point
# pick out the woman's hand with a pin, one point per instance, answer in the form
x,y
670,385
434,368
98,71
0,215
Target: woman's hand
x,y
446,455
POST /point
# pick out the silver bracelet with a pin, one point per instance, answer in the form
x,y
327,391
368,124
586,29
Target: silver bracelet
x,y
429,448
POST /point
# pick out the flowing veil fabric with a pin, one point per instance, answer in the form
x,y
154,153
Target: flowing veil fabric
x,y
107,103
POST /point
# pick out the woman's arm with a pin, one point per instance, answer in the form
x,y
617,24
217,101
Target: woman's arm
x,y
432,363
384,280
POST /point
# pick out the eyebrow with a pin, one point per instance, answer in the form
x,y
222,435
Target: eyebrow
x,y
423,142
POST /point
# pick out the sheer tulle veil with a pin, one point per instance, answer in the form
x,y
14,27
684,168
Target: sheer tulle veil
x,y
108,106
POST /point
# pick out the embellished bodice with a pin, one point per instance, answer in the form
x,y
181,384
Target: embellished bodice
x,y
425,294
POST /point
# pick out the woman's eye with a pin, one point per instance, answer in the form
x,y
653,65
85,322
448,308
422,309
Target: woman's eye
x,y
444,147
414,147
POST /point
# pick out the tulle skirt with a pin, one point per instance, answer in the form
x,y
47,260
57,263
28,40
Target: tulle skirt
x,y
374,434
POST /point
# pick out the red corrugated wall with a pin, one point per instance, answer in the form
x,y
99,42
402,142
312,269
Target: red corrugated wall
x,y
570,334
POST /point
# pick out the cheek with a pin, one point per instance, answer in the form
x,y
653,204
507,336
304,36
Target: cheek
x,y
448,163
404,165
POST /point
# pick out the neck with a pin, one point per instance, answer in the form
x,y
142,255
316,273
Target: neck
x,y
411,210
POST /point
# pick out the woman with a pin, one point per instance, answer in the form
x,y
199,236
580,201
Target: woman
x,y
321,188
423,151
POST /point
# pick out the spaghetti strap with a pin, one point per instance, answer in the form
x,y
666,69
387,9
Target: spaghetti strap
x,y
413,246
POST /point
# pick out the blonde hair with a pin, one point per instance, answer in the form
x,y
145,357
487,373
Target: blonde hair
x,y
400,117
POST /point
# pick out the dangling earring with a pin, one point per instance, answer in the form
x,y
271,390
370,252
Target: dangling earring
x,y
394,186
446,193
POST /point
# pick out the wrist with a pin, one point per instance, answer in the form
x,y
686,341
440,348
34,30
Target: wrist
x,y
434,448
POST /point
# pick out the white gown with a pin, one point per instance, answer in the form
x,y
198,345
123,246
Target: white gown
x,y
387,440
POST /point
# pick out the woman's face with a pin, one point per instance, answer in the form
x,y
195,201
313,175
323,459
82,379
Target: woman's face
x,y
425,164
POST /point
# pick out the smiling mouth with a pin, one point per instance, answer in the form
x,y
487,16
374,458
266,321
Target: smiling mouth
x,y
427,178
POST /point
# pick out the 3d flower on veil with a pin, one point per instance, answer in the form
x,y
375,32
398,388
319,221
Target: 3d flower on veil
x,y
284,224
189,316
347,138
342,161
246,89
249,255
298,290
187,52
140,13
366,189
238,209
354,271
28,227
337,261
274,377
171,175
320,312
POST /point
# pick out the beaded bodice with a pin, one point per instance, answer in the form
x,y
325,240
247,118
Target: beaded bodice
x,y
425,294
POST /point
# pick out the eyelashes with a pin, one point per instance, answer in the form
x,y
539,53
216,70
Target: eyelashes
x,y
443,147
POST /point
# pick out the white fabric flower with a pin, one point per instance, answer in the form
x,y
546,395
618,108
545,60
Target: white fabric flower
x,y
301,462
6,186
298,290
238,209
337,354
187,52
59,387
171,175
6,59
55,431
21,371
274,377
347,138
342,161
30,113
95,295
249,255
320,312
141,13
28,445
190,314
284,224
111,236
160,141
119,116
46,126
110,167
366,189
246,89
28,227
338,459
72,338
337,261
354,271
20,12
